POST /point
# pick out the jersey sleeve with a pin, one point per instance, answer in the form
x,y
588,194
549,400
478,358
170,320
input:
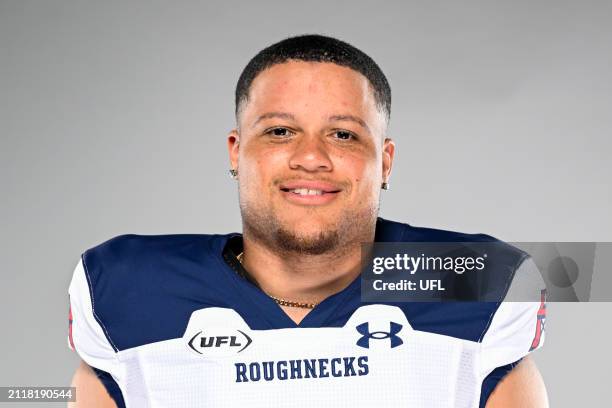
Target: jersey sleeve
x,y
516,328
86,334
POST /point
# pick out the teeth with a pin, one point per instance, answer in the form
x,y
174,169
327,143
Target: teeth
x,y
305,191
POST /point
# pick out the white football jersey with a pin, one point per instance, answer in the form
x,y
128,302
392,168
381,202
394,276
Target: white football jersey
x,y
167,322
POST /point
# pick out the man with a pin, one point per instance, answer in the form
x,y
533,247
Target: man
x,y
273,316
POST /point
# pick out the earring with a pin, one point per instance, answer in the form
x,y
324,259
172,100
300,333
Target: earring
x,y
233,173
384,185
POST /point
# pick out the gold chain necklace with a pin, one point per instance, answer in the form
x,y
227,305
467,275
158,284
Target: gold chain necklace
x,y
279,301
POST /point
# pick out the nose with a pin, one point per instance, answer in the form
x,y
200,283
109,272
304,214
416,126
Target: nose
x,y
310,154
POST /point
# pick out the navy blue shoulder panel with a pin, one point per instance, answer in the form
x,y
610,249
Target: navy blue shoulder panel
x,y
464,320
393,231
144,288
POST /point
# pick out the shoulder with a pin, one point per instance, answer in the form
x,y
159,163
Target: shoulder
x,y
388,231
146,259
123,250
501,253
136,281
507,268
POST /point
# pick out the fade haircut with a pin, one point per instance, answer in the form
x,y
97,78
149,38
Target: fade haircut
x,y
315,48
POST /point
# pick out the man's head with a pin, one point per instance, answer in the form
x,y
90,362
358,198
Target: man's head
x,y
310,145
315,48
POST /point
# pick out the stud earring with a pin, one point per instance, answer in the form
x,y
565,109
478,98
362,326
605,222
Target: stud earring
x,y
233,173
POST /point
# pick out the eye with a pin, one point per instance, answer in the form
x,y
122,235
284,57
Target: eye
x,y
344,135
279,132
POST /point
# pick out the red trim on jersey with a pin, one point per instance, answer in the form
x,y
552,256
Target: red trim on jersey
x,y
70,328
540,321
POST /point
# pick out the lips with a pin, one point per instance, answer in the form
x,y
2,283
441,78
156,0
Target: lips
x,y
310,185
309,192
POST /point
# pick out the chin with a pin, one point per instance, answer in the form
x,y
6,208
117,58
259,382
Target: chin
x,y
309,235
315,243
308,223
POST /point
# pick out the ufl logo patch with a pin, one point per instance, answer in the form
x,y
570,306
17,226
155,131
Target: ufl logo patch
x,y
367,335
219,342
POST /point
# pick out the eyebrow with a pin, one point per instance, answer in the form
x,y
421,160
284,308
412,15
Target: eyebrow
x,y
350,118
333,118
269,115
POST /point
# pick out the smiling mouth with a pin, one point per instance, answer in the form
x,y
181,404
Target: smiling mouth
x,y
307,191
310,192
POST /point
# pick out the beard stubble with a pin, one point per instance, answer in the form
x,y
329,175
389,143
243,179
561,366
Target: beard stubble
x,y
350,228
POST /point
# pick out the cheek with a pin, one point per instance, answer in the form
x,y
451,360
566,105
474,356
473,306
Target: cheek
x,y
363,173
258,169
365,179
252,175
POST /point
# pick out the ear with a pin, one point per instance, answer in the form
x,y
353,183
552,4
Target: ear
x,y
388,152
233,145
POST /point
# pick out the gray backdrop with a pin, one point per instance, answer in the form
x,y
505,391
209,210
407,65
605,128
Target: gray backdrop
x,y
113,119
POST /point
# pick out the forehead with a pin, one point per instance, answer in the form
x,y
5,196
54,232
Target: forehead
x,y
313,87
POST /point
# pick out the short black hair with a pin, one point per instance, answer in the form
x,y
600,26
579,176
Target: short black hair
x,y
316,48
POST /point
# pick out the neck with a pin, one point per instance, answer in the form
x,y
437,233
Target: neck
x,y
303,277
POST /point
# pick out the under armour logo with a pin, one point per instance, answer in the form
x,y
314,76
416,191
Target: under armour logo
x,y
364,329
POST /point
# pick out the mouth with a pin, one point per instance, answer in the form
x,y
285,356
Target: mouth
x,y
309,192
